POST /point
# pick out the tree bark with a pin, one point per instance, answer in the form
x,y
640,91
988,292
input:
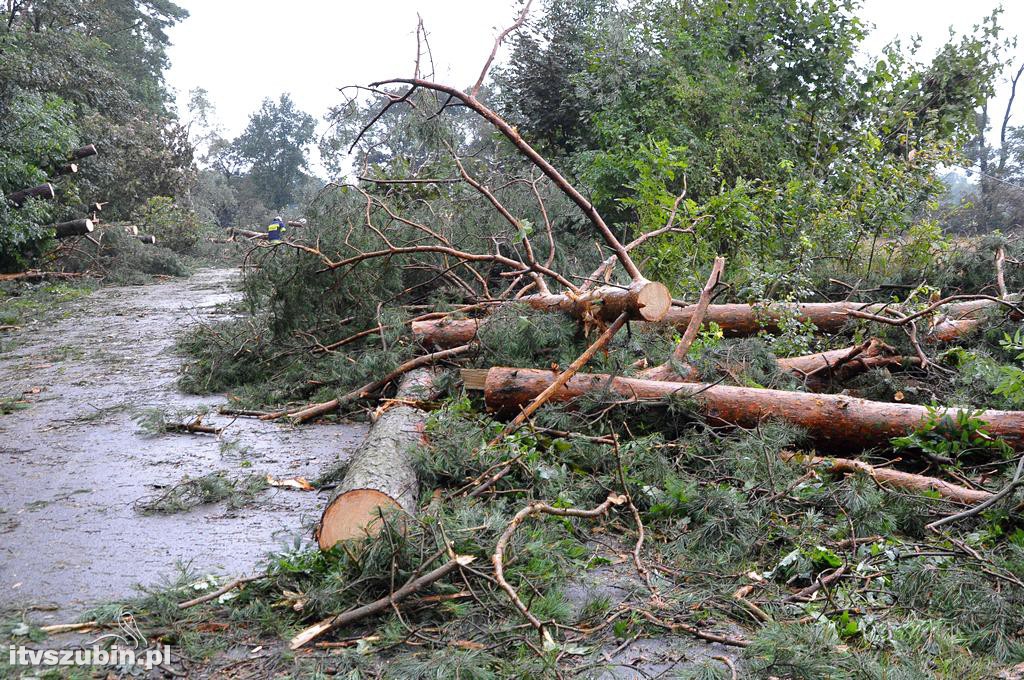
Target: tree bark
x,y
381,475
43,191
836,421
73,228
247,233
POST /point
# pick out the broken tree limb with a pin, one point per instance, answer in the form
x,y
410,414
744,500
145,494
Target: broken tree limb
x,y
890,477
147,238
381,475
411,586
837,421
43,191
315,410
820,370
83,152
666,371
512,134
73,228
227,587
35,275
247,233
66,169
538,508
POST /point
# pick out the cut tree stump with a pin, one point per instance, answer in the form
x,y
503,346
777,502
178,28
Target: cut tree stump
x,y
43,191
381,475
836,421
74,228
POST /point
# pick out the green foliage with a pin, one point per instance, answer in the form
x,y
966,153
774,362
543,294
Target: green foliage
x,y
1011,384
78,73
174,227
953,436
789,150
193,492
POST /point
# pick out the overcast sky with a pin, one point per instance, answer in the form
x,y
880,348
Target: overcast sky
x,y
244,50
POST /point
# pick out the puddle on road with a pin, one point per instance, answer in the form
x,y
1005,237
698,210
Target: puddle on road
x,y
75,461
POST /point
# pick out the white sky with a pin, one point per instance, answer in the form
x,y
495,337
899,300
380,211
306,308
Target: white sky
x,y
244,50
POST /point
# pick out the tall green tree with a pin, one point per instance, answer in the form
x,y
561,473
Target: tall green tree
x,y
787,147
85,71
273,148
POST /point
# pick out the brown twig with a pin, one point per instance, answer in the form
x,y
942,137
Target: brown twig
x,y
538,508
377,606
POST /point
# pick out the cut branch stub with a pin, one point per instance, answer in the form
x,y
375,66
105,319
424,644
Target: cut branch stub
x,y
43,191
381,476
840,422
83,152
73,228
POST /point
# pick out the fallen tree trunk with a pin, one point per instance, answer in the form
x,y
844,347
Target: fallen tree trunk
x,y
147,238
820,370
66,169
735,320
836,421
894,478
43,191
34,275
73,228
381,475
83,152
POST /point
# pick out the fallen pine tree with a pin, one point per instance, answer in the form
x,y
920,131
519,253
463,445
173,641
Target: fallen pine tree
x,y
837,422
